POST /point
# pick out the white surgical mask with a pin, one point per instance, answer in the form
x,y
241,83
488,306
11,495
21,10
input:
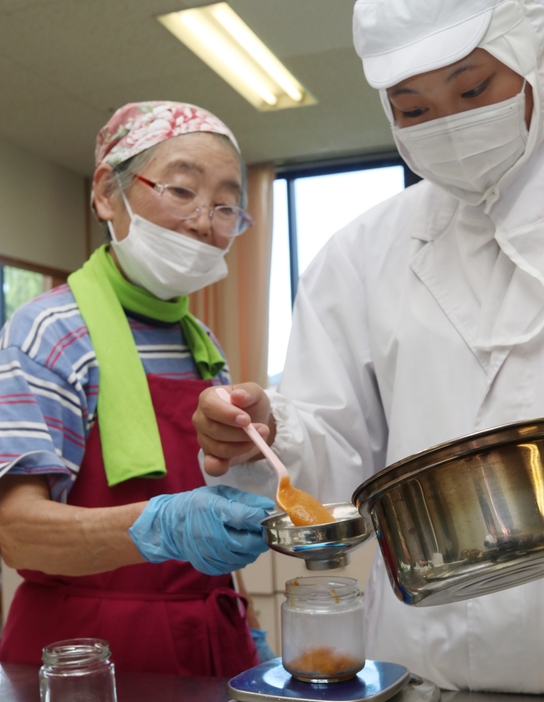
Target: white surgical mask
x,y
164,262
469,152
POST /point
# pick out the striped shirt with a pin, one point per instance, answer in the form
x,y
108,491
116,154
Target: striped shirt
x,y
49,380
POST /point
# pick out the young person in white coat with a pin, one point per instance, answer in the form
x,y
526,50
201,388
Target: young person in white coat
x,y
423,320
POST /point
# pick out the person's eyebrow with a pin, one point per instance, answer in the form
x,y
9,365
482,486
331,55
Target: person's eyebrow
x,y
449,78
457,72
189,166
232,185
402,91
181,165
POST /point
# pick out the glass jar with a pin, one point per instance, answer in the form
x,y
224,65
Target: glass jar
x,y
322,629
77,670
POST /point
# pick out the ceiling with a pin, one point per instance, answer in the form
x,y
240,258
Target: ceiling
x,y
66,65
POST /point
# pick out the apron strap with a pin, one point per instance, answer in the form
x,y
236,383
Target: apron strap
x,y
230,646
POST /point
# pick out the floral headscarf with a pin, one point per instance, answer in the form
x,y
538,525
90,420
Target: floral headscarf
x,y
138,126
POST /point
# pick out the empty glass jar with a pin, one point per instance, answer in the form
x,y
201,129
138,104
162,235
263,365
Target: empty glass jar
x,y
77,670
322,629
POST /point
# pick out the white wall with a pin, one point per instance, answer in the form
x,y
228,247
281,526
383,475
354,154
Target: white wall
x,y
10,582
42,210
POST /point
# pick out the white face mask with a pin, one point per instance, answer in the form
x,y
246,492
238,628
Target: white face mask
x,y
469,152
164,262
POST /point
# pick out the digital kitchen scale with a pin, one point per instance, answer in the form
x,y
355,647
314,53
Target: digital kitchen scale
x,y
377,681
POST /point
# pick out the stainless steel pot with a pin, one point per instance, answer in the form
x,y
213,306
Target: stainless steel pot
x,y
464,518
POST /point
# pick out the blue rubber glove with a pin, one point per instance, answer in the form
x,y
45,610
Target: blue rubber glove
x,y
216,529
264,651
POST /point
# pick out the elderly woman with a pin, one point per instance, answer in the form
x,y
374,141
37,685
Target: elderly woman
x,y
103,509
423,319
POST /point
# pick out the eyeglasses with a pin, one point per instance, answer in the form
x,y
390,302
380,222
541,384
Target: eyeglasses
x,y
184,203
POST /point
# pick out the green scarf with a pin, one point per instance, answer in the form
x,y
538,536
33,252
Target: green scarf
x,y
131,445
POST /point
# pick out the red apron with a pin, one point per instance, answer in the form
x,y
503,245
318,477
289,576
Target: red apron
x,y
159,618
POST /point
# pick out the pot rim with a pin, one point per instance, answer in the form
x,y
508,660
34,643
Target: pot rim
x,y
372,489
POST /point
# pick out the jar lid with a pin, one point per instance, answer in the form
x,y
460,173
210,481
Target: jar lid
x,y
322,587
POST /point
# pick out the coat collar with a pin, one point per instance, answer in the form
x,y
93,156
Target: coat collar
x,y
514,302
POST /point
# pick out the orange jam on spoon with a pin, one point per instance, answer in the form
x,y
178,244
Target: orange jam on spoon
x,y
303,509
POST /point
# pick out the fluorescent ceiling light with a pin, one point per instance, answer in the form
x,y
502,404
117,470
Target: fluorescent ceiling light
x,y
217,35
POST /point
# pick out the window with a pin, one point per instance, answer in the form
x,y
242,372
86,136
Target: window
x,y
21,282
309,207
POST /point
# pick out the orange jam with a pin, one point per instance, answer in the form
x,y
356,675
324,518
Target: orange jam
x,y
303,509
326,662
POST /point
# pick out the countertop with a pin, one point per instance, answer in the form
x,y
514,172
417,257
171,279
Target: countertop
x,y
487,697
19,683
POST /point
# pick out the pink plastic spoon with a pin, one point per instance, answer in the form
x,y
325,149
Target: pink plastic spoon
x,y
303,509
258,440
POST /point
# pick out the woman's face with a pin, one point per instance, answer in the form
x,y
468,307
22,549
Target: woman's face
x,y
476,81
198,161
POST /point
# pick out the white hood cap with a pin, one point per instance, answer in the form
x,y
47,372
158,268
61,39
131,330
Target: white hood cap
x,y
401,38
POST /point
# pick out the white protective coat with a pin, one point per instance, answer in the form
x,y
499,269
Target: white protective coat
x,y
421,321
382,363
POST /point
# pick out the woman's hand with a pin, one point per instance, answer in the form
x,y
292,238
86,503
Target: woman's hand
x,y
218,425
217,529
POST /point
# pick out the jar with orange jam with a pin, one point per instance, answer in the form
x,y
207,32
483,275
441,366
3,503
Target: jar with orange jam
x,y
322,629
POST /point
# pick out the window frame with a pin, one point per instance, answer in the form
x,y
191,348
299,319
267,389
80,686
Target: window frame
x,y
291,173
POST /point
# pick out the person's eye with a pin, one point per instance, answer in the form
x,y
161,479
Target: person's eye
x,y
413,113
478,90
227,210
183,194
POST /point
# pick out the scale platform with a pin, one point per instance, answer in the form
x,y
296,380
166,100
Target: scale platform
x,y
377,681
